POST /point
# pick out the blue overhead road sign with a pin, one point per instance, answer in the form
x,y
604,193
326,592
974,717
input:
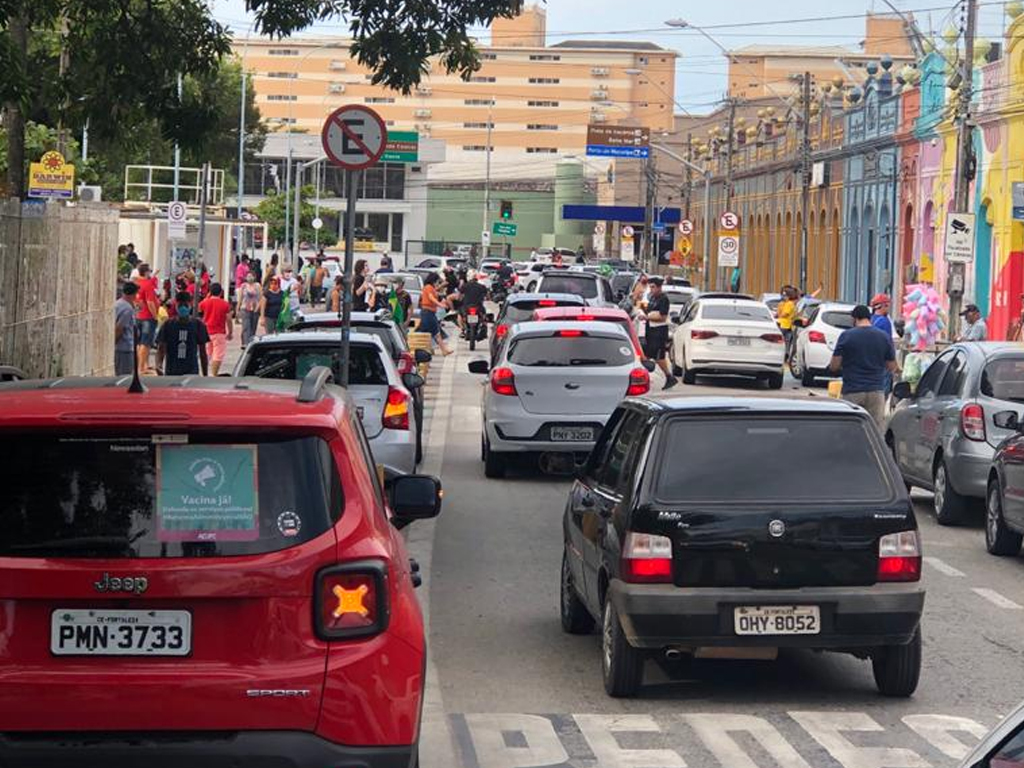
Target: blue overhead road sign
x,y
618,141
638,153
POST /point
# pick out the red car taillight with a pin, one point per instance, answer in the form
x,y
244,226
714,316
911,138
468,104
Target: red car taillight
x,y
503,382
471,311
646,559
703,335
501,330
406,363
972,422
639,382
396,409
816,337
899,557
774,338
352,600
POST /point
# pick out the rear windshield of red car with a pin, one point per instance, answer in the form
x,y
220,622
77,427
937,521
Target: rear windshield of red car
x,y
523,310
164,496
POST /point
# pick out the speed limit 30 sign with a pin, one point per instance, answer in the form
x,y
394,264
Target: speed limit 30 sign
x,y
728,251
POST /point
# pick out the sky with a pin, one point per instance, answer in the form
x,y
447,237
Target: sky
x,y
701,68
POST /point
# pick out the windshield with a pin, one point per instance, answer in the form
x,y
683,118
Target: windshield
x,y
745,312
723,460
842,320
582,351
523,310
294,361
574,284
1003,379
163,496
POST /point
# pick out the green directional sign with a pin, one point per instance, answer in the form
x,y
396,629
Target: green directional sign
x,y
402,147
502,228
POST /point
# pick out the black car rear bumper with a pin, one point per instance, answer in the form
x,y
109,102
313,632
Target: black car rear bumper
x,y
661,615
252,749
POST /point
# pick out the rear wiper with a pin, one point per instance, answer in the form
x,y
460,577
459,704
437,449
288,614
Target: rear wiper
x,y
587,361
272,368
77,544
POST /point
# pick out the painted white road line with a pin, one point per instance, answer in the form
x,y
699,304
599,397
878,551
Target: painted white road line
x,y
943,567
996,599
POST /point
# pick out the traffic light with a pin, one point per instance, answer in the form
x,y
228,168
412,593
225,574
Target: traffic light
x,y
506,210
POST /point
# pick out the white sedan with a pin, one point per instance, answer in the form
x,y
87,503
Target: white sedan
x,y
812,349
728,336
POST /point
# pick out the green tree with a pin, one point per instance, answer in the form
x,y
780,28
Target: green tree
x,y
272,211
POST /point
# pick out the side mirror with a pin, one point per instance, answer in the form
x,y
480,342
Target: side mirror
x,y
412,380
1007,420
480,367
422,356
903,391
677,319
649,365
416,497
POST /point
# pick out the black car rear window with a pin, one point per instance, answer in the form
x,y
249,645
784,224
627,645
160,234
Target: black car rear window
x,y
1003,379
842,320
733,459
294,361
576,352
156,496
573,284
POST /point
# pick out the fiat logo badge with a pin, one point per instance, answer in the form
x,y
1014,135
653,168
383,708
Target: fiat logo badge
x,y
776,528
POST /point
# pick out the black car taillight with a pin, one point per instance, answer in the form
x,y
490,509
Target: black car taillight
x,y
351,600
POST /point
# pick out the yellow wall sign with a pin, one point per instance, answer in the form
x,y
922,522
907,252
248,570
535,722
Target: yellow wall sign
x,y
926,272
51,177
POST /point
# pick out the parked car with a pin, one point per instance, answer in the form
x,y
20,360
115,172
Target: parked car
x,y
383,397
593,314
1003,747
944,435
1004,510
552,387
772,301
733,527
211,574
529,274
437,263
594,289
520,307
816,340
736,336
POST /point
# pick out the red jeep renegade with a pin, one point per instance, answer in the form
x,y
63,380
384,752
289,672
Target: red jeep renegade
x,y
205,574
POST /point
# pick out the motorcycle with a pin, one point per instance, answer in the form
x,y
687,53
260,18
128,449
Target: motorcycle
x,y
476,326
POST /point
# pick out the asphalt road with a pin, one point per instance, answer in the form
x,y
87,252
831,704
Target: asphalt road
x,y
507,689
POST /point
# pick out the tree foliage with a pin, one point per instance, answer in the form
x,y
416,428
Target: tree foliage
x,y
272,211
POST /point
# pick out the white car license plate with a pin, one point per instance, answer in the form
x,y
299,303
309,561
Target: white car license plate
x,y
473,319
572,434
739,341
777,620
75,632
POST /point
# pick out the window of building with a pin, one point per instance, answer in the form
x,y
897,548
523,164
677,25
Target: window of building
x,y
541,127
286,75
482,79
378,100
542,103
488,56
544,57
475,148
643,61
545,80
281,97
283,51
479,102
541,150
478,125
397,223
384,181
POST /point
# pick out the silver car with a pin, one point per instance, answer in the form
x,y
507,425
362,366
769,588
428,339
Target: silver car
x,y
594,289
943,435
552,387
383,397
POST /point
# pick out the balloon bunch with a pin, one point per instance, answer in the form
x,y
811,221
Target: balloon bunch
x,y
922,309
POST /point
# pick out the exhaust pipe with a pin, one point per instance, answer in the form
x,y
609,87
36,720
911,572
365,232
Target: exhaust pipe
x,y
673,654
556,463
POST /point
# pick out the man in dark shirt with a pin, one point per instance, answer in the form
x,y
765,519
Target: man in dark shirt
x,y
181,342
656,339
865,355
472,294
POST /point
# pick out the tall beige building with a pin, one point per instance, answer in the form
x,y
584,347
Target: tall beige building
x,y
536,99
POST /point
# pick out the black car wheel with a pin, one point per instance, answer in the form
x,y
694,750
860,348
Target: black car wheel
x,y
897,668
622,664
494,465
576,619
689,377
418,411
999,539
775,381
949,505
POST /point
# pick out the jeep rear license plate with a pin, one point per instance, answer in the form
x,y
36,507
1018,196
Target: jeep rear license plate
x,y
75,632
778,620
572,434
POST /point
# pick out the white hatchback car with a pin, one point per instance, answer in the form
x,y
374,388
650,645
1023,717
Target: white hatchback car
x,y
382,396
815,342
728,336
553,386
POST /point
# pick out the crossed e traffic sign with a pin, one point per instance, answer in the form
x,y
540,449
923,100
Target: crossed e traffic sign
x,y
354,137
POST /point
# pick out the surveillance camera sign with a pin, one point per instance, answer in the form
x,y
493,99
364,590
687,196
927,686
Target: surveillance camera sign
x,y
960,238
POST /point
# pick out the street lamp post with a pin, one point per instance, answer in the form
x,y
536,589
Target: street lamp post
x,y
706,173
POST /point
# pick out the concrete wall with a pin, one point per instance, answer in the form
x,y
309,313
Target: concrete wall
x,y
456,215
58,272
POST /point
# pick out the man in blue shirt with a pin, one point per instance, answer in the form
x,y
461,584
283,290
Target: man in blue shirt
x,y
880,319
865,356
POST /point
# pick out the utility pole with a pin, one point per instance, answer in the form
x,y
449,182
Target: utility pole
x,y
651,201
286,256
203,199
689,175
485,250
965,165
805,178
296,208
241,160
728,177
